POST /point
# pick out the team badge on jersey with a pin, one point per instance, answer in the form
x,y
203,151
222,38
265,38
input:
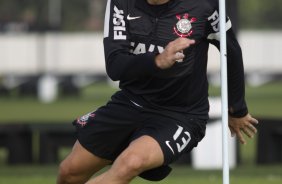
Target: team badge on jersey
x,y
82,121
183,27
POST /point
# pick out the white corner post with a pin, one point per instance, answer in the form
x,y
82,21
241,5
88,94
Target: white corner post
x,y
224,91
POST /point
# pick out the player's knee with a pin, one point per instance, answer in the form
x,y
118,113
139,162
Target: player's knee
x,y
64,174
67,174
131,164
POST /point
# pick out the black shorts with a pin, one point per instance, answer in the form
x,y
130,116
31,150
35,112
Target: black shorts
x,y
107,131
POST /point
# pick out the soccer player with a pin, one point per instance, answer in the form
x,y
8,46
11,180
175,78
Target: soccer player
x,y
158,50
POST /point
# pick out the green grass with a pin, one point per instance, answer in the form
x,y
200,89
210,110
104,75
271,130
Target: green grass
x,y
266,101
180,175
27,174
65,109
263,101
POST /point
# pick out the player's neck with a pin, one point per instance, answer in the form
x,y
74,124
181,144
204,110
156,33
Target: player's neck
x,y
157,2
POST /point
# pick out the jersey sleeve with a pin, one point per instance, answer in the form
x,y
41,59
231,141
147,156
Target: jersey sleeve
x,y
236,84
121,64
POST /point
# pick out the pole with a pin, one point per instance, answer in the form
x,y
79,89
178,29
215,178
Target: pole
x,y
55,13
224,91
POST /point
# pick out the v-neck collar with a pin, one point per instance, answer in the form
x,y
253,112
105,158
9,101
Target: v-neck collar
x,y
147,8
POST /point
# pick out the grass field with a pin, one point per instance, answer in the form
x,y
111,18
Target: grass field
x,y
263,101
180,175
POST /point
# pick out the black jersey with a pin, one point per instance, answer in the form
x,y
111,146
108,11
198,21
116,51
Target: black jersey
x,y
135,32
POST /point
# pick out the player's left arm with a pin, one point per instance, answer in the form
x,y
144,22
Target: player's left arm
x,y
240,121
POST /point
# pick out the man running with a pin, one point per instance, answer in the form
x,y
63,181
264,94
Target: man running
x,y
158,51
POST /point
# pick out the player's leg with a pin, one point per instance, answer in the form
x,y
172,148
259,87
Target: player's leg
x,y
161,141
106,133
79,166
142,154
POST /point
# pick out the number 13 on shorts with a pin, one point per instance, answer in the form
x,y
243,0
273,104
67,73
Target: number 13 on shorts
x,y
184,137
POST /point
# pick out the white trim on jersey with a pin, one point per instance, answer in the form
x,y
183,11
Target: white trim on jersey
x,y
216,36
107,19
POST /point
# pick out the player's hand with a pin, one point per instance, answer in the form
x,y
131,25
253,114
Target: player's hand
x,y
173,52
245,125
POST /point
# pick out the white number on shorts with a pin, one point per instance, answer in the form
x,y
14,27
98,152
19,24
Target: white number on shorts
x,y
185,139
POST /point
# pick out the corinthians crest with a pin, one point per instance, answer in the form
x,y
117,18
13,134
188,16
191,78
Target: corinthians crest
x,y
183,27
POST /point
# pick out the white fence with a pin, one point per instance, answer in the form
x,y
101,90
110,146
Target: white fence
x,y
52,53
82,53
261,52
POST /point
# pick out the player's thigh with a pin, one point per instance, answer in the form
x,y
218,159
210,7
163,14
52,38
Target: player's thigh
x,y
80,162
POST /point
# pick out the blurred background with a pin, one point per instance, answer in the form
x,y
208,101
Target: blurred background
x,y
52,71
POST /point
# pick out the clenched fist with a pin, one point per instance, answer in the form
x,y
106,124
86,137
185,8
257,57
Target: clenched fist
x,y
173,52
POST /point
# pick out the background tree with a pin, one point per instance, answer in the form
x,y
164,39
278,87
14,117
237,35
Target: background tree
x,y
88,15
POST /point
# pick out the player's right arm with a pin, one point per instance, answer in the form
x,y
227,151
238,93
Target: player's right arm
x,y
121,64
